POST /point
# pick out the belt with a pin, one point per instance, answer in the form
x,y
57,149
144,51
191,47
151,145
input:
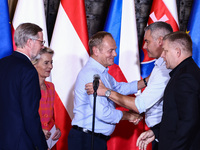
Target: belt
x,y
90,132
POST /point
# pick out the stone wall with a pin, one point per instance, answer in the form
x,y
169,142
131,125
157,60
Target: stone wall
x,y
96,12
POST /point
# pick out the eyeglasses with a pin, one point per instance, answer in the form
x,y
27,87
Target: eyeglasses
x,y
42,42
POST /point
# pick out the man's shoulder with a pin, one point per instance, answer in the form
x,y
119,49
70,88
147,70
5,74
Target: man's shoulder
x,y
190,69
86,75
88,70
16,63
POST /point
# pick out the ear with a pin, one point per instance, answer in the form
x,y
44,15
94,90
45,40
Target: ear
x,y
29,42
160,40
178,52
95,51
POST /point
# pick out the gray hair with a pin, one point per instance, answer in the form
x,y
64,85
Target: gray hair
x,y
97,39
24,32
42,51
159,29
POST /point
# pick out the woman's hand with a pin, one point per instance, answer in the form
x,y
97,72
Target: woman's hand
x,y
46,133
56,135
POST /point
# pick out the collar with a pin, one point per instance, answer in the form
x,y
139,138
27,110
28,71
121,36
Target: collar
x,y
159,62
177,68
24,54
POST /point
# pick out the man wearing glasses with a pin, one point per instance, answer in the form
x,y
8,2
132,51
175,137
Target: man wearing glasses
x,y
42,42
20,126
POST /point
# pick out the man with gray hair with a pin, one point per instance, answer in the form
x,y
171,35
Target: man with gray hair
x,y
20,126
179,128
151,100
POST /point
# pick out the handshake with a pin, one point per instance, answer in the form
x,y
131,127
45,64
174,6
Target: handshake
x,y
131,116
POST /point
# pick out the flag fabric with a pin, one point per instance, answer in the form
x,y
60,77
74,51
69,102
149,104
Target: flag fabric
x,y
5,30
121,23
31,11
161,10
70,44
193,29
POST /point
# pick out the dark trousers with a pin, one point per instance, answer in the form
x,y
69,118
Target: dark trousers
x,y
78,140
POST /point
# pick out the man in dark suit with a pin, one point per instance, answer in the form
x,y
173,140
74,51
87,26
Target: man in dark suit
x,y
20,127
179,128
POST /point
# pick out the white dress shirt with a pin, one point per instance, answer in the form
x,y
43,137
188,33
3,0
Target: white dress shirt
x,y
151,99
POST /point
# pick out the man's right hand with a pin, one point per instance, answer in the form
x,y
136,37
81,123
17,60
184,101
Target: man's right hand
x,y
101,89
144,139
132,117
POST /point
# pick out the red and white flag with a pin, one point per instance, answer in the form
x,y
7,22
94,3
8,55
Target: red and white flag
x,y
70,44
31,11
161,10
166,11
121,23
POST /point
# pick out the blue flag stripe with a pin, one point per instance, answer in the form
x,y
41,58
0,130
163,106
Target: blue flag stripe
x,y
194,30
5,31
113,24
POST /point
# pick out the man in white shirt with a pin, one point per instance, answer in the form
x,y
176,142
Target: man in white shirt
x,y
150,101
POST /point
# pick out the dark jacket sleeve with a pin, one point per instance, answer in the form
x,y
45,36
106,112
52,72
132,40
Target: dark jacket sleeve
x,y
155,130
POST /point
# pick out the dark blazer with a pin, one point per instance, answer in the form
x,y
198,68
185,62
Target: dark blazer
x,y
20,127
180,125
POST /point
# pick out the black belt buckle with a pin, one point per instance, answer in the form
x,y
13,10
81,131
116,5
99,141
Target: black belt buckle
x,y
90,132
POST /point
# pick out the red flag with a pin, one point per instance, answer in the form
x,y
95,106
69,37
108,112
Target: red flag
x,y
164,10
121,23
69,41
161,10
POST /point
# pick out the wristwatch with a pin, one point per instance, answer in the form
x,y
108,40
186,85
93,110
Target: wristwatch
x,y
108,92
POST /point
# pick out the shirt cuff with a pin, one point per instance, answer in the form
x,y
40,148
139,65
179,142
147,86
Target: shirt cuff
x,y
118,116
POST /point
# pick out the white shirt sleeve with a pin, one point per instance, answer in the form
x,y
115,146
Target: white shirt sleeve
x,y
155,89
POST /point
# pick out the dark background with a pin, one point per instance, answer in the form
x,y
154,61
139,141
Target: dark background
x,y
96,12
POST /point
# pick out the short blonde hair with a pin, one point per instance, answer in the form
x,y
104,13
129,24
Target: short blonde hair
x,y
42,51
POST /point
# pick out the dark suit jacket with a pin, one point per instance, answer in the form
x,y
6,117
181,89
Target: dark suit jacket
x,y
20,127
180,125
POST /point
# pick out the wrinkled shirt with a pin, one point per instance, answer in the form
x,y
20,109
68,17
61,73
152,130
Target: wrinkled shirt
x,y
151,99
106,115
